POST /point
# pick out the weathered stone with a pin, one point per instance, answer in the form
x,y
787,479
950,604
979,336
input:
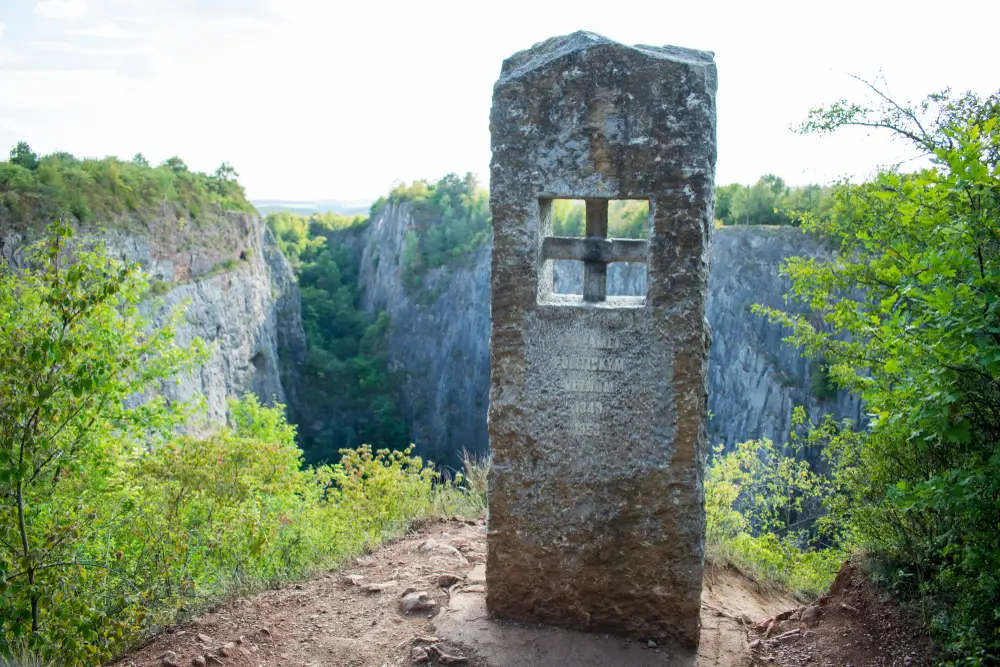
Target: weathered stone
x,y
418,601
596,499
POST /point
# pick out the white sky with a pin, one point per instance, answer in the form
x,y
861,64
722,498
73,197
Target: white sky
x,y
339,98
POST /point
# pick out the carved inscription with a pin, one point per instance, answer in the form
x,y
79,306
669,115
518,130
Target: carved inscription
x,y
587,386
588,375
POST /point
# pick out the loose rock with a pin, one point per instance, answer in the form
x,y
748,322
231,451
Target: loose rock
x,y
417,602
378,588
419,655
199,661
353,579
811,615
448,580
204,639
228,650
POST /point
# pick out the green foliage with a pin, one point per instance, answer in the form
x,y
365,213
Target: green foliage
x,y
770,201
346,371
23,156
110,524
81,350
765,516
110,190
452,219
911,305
627,218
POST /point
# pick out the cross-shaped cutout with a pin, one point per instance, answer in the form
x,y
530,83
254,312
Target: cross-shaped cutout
x,y
595,250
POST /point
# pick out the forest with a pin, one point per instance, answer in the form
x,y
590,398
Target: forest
x,y
113,525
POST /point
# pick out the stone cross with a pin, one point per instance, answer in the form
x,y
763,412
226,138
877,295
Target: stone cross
x,y
595,251
598,403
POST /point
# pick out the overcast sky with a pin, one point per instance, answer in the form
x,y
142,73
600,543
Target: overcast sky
x,y
337,99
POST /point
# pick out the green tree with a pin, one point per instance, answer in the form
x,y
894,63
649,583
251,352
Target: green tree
x,y
23,156
724,202
78,354
910,308
140,160
226,172
761,203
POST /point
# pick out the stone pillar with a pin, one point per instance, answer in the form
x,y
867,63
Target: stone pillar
x,y
598,403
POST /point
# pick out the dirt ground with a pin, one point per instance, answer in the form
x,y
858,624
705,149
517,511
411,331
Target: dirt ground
x,y
420,600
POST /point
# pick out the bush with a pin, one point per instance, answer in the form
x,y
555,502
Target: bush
x,y
115,526
909,311
764,516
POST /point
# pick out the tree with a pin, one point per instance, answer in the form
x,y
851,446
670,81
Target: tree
x,y
140,160
176,164
761,203
23,156
910,308
78,354
226,172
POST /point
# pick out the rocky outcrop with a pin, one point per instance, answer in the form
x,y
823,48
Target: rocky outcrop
x,y
238,293
439,336
438,340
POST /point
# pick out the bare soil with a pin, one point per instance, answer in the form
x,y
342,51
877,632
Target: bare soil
x,y
359,617
854,625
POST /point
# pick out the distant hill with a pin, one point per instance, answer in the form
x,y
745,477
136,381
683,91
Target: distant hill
x,y
356,207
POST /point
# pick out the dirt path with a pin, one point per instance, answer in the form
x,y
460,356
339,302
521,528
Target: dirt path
x,y
423,596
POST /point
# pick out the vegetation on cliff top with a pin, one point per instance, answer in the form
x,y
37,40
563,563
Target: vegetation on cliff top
x,y
109,191
451,219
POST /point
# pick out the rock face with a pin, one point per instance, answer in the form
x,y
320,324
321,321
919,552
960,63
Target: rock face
x,y
240,298
598,406
438,341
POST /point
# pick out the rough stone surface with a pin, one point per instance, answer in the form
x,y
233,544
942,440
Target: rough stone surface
x,y
598,407
240,294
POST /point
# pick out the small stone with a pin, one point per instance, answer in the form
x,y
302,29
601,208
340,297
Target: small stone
x,y
227,650
408,590
240,640
199,661
264,632
797,615
811,615
378,588
204,639
651,644
445,659
417,602
426,640
419,655
755,644
213,660
477,588
298,587
353,579
448,580
169,659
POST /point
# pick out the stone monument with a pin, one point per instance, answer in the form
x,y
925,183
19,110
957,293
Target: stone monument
x,y
598,403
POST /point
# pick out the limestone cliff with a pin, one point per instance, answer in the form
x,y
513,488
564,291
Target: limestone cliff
x,y
439,335
239,291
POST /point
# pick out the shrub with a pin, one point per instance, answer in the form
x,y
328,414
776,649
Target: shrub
x,y
111,525
909,309
764,516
